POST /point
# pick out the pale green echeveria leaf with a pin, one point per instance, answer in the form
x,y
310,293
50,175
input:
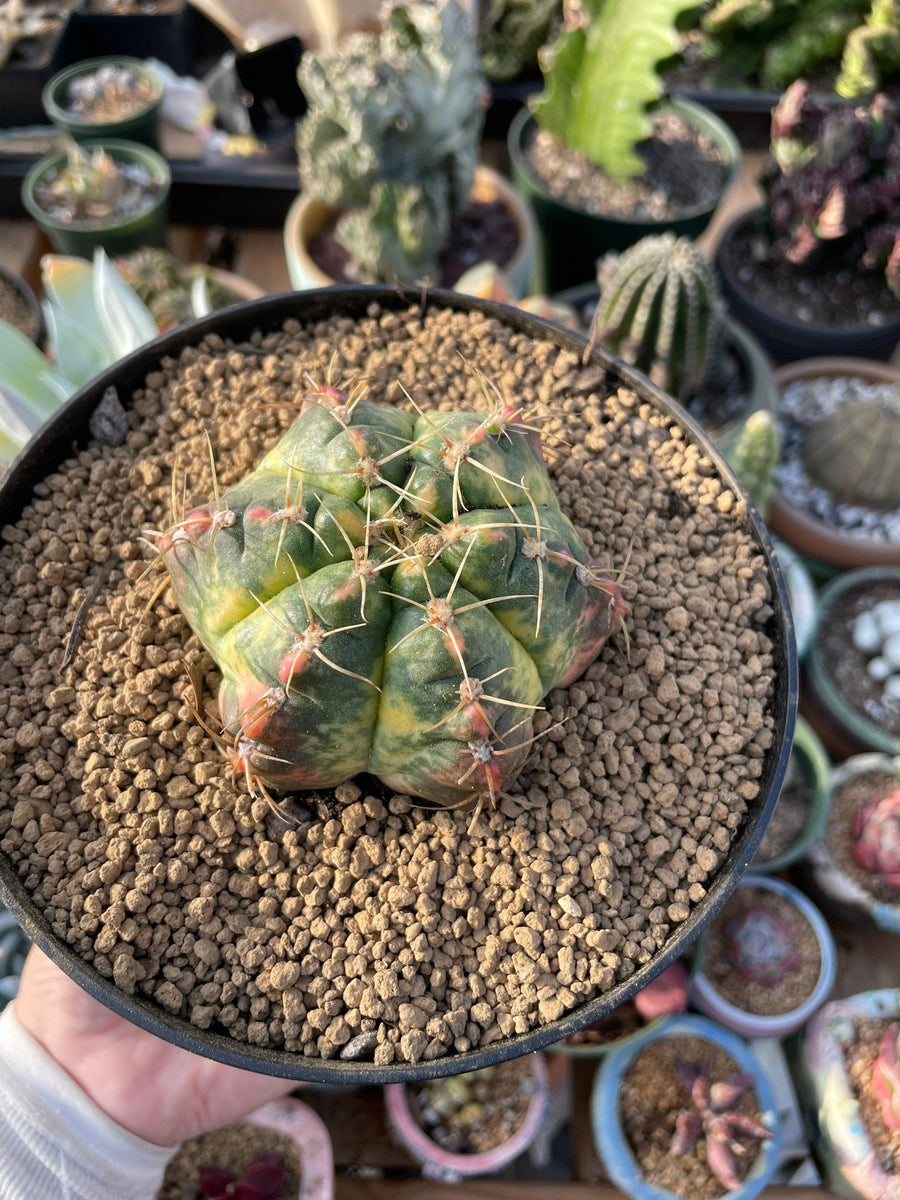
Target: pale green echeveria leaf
x,y
201,303
26,373
126,320
80,352
20,418
601,80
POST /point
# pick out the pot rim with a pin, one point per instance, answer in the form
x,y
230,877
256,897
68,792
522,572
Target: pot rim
x,y
807,741
27,293
54,443
122,150
694,113
748,297
710,1000
65,119
619,1159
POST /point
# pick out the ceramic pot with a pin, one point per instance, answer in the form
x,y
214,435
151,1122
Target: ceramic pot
x,y
14,945
801,592
140,126
708,999
571,240
18,284
812,762
308,215
827,548
449,1167
609,1137
834,889
787,340
843,728
52,446
837,1135
117,236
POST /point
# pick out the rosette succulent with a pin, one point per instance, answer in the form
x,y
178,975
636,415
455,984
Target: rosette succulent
x,y
760,946
886,1077
392,593
877,832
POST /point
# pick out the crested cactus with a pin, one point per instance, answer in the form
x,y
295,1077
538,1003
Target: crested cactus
x,y
660,309
392,135
390,593
877,833
886,1077
853,451
870,51
833,183
510,33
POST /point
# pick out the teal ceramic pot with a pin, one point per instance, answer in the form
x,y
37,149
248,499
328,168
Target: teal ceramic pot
x,y
141,126
572,239
14,944
610,1141
709,1000
116,235
801,593
810,760
837,1134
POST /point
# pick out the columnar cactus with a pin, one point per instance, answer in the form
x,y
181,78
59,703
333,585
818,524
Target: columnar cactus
x,y
877,832
390,593
754,452
392,136
886,1077
660,309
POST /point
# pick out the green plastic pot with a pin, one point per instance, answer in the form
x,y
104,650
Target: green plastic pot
x,y
142,126
572,239
117,236
815,767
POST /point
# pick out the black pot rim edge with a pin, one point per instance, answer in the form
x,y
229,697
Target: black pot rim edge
x,y
55,441
27,294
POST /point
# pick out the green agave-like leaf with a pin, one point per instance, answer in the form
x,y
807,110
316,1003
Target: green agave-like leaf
x,y
201,301
600,80
27,374
80,351
126,320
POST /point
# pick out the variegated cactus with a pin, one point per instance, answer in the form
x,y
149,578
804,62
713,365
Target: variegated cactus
x,y
660,309
390,593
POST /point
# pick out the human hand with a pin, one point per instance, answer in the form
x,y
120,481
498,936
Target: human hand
x,y
155,1090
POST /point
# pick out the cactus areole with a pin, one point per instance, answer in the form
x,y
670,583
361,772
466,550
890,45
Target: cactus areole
x,y
392,593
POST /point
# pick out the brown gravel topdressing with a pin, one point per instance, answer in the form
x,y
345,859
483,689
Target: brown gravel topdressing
x,y
377,928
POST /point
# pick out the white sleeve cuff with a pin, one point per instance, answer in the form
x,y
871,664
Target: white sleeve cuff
x,y
54,1141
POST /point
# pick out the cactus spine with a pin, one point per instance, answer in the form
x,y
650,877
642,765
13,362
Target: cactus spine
x,y
389,593
660,310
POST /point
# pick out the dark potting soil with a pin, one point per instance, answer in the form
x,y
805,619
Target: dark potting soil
x,y
485,230
377,927
232,1148
14,310
475,1111
789,816
832,293
847,665
845,804
684,171
860,1052
764,998
650,1101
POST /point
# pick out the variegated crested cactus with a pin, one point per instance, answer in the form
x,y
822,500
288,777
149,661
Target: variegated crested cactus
x,y
390,593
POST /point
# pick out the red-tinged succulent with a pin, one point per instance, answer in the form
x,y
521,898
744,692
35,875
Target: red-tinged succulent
x,y
760,946
712,1116
886,1077
264,1179
876,829
392,593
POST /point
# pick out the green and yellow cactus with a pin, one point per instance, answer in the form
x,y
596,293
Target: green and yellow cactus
x,y
390,593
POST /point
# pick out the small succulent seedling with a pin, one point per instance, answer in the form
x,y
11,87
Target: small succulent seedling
x,y
876,829
93,186
712,1116
264,1179
391,592
886,1077
760,946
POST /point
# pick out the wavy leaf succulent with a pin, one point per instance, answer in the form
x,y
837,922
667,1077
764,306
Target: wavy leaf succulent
x,y
392,593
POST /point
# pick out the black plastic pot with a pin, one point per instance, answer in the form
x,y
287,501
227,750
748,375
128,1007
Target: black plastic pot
x,y
788,341
22,78
164,34
69,427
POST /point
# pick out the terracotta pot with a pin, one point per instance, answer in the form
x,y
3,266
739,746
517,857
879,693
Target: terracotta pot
x,y
609,1137
834,889
828,1100
450,1167
708,999
307,215
810,537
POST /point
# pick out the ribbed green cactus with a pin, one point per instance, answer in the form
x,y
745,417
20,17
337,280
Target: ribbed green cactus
x,y
754,452
390,593
854,450
660,310
392,136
